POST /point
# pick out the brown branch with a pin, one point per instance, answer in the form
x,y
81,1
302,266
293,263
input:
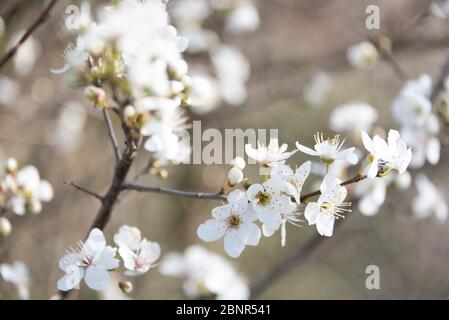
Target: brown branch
x,y
82,189
112,136
173,192
44,17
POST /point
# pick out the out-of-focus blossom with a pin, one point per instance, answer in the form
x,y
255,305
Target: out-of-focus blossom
x,y
17,274
317,89
440,8
363,55
430,200
69,131
243,18
27,55
353,117
9,90
205,274
189,12
371,193
204,93
233,70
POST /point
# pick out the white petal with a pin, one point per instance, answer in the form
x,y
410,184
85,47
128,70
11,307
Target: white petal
x,y
45,191
107,259
97,278
71,279
233,245
311,212
306,150
253,191
211,230
250,234
325,224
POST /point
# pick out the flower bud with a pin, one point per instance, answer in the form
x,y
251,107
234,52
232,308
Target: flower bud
x,y
11,165
178,69
235,176
129,114
95,95
238,162
35,207
5,227
126,286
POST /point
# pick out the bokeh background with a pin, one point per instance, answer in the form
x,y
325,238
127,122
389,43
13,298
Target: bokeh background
x,y
296,38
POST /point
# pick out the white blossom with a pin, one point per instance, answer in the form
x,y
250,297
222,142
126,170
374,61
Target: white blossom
x,y
329,149
243,18
139,255
317,89
271,201
371,194
91,260
205,273
17,274
329,206
233,221
353,117
270,155
363,55
430,200
383,155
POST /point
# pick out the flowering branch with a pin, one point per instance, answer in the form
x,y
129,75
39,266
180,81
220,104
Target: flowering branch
x,y
44,17
173,192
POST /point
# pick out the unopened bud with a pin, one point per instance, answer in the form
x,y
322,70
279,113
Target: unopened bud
x,y
129,113
178,69
235,176
11,165
95,95
126,286
238,162
5,227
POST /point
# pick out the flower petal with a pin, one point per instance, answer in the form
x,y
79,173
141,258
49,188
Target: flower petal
x,y
211,230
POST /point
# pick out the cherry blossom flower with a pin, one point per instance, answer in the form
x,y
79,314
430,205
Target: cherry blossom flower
x,y
363,55
269,156
295,179
383,155
138,254
31,191
329,149
371,193
430,200
91,260
353,117
271,201
233,221
17,274
330,206
205,273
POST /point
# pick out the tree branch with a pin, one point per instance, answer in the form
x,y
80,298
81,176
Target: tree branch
x,y
82,189
173,192
44,17
112,136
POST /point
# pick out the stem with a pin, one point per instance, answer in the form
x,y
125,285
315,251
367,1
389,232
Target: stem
x,y
44,17
173,192
112,136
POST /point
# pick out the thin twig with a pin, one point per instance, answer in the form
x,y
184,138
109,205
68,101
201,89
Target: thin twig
x,y
112,136
173,192
82,189
44,17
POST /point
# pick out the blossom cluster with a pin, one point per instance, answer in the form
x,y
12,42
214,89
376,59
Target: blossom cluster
x,y
278,199
22,191
112,57
231,69
93,260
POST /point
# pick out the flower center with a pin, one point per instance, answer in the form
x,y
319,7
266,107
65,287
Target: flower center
x,y
234,221
264,198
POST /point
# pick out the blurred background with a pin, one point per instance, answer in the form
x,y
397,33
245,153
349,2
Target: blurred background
x,y
40,115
